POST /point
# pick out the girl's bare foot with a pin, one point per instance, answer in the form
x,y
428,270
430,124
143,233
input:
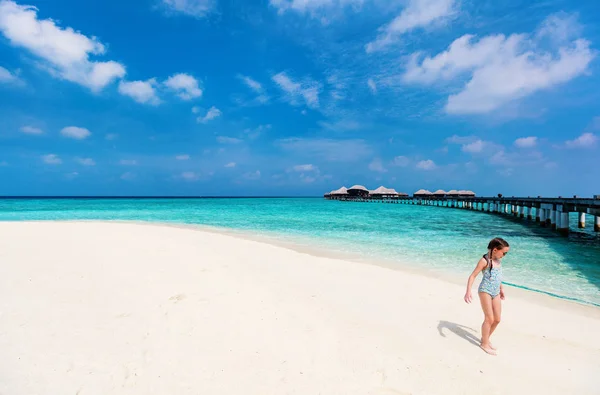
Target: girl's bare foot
x,y
488,349
492,347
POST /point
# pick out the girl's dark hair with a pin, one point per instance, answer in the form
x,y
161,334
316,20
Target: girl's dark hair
x,y
495,244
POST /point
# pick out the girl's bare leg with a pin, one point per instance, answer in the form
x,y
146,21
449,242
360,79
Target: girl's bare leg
x,y
497,311
486,327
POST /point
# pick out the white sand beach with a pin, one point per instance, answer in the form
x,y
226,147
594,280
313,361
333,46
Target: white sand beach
x,y
113,308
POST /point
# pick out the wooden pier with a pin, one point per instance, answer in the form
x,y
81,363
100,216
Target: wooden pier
x,y
549,212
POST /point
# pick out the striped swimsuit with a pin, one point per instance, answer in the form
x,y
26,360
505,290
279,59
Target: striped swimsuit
x,y
492,278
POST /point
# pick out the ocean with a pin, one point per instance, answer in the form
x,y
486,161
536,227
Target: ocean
x,y
436,240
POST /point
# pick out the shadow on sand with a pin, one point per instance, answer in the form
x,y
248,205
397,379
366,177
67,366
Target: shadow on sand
x,y
464,332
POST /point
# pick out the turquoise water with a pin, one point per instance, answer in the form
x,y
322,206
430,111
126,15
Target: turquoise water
x,y
439,240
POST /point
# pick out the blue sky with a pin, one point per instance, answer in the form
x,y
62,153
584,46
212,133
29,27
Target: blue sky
x,y
298,97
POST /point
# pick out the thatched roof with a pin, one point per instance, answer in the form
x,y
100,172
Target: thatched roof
x,y
403,194
383,191
452,192
466,193
358,188
439,192
423,192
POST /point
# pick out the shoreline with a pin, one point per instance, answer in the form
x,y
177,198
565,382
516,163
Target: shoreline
x,y
541,298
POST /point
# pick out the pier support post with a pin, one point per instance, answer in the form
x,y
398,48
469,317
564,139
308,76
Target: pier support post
x,y
554,216
543,213
563,227
515,210
537,214
529,216
597,223
522,214
581,220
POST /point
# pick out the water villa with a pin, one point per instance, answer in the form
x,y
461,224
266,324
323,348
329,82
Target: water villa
x,y
549,212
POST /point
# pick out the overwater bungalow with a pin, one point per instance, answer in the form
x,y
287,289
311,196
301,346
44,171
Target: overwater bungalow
x,y
453,193
422,193
466,193
440,193
339,193
358,190
383,192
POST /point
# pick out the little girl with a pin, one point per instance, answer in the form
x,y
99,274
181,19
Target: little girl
x,y
491,292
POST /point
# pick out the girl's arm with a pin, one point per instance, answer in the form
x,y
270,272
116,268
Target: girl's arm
x,y
480,266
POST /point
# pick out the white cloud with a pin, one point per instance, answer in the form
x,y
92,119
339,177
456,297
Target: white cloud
x,y
211,114
256,87
308,91
7,77
186,86
194,8
190,176
128,176
471,144
230,165
52,159
143,92
309,167
401,161
310,6
502,69
228,140
586,140
417,14
66,52
526,142
338,85
377,165
128,162
328,149
85,161
111,136
251,83
372,86
426,165
72,175
182,157
75,132
474,147
31,130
